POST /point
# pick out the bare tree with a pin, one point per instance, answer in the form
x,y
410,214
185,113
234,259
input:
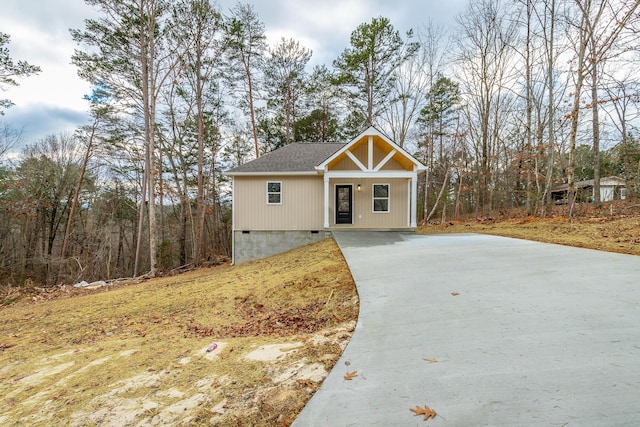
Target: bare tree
x,y
413,79
605,23
431,59
484,58
547,17
597,25
623,94
10,137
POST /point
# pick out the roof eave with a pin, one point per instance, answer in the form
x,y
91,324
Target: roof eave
x,y
271,173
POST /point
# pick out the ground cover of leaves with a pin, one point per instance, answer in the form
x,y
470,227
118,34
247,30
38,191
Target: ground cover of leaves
x,y
136,354
613,226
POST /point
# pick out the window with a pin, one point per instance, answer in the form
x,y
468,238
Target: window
x,y
381,197
274,193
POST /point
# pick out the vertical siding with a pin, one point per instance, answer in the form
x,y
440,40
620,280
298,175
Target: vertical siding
x,y
363,215
301,208
361,152
345,164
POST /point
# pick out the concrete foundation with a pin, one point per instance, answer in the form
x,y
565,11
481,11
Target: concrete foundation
x,y
250,245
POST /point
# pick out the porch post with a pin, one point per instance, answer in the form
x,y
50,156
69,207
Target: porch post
x,y
414,200
326,201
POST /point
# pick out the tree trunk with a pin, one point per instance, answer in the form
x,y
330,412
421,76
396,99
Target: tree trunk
x,y
575,115
76,193
435,205
546,198
252,112
200,208
529,101
147,54
596,132
141,215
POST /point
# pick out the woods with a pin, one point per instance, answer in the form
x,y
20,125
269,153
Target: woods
x,y
516,99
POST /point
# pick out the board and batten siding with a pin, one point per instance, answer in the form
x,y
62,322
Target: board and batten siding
x,y
301,207
363,215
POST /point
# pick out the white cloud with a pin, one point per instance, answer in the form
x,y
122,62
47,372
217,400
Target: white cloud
x,y
36,121
53,101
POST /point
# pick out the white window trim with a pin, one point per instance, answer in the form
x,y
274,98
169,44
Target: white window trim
x,y
268,193
373,199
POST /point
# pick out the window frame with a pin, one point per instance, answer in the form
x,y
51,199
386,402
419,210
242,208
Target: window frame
x,y
374,198
269,193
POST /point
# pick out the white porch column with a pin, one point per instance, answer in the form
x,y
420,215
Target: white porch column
x,y
414,200
326,201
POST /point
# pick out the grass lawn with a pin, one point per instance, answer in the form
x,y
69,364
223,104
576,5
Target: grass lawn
x,y
137,354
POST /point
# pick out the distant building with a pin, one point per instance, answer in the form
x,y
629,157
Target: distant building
x,y
611,188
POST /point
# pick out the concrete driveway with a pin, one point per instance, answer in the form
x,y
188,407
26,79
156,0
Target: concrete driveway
x,y
486,331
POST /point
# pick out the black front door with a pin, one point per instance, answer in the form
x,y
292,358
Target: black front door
x,y
344,203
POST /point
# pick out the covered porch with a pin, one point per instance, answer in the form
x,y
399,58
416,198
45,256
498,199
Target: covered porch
x,y
361,201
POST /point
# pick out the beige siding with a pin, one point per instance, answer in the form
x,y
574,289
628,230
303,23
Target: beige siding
x,y
301,208
345,164
392,165
363,215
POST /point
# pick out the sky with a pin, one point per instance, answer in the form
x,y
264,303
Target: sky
x,y
52,102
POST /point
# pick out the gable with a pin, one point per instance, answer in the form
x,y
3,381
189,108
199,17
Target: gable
x,y
371,151
361,153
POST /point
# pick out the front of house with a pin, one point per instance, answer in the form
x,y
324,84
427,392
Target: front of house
x,y
297,194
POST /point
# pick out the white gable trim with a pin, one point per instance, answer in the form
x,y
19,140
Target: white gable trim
x,y
370,174
385,160
370,132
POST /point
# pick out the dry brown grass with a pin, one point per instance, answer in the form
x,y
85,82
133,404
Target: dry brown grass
x,y
136,354
610,227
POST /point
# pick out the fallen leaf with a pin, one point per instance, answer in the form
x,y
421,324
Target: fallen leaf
x,y
431,360
304,382
455,294
350,375
426,411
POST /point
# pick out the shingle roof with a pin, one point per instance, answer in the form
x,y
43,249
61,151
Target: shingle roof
x,y
297,157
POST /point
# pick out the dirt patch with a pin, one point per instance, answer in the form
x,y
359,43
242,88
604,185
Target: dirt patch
x,y
272,352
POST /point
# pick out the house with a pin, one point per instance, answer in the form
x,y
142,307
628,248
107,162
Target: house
x,y
611,188
297,194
